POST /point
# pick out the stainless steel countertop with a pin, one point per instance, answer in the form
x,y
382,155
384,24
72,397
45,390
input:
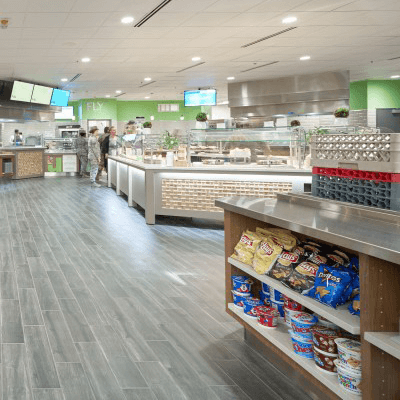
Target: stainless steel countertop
x,y
60,152
363,229
21,148
261,170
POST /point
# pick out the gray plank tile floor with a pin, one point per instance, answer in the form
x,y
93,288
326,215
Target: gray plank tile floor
x,y
95,304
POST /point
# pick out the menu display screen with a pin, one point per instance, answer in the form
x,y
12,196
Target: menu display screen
x,y
60,98
41,94
200,98
66,113
22,91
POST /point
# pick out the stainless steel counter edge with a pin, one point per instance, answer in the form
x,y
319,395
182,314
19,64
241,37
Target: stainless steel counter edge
x,y
22,148
361,229
219,169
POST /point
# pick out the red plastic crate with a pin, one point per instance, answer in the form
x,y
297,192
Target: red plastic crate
x,y
357,174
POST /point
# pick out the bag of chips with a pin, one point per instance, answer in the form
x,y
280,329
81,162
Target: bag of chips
x,y
247,246
317,259
284,265
266,255
334,260
354,307
330,285
303,277
282,236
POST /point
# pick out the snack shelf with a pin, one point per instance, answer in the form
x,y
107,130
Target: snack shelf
x,y
389,342
340,316
280,338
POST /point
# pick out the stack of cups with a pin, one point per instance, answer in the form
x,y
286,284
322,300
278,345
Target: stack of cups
x,y
265,295
277,301
290,308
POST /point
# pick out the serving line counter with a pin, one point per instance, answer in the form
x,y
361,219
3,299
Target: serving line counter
x,y
372,235
192,191
61,163
29,161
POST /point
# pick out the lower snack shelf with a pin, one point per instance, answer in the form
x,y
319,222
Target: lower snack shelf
x,y
280,338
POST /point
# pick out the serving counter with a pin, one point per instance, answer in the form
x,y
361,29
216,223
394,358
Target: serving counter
x,y
192,191
61,163
372,235
29,161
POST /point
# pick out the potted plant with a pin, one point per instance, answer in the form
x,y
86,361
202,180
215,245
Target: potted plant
x,y
341,112
147,127
295,122
201,119
169,142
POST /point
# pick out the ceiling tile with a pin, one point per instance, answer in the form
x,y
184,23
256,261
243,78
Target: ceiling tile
x,y
224,6
44,20
209,19
83,20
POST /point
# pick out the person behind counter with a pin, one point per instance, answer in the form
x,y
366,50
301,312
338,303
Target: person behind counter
x,y
94,155
82,151
16,139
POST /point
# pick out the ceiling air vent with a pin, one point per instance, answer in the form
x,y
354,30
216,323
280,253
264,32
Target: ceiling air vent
x,y
152,13
121,94
75,77
394,58
269,37
260,66
192,66
147,84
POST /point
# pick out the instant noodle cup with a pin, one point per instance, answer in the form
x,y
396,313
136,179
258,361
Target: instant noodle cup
x,y
291,304
324,338
275,295
278,306
238,298
288,315
325,361
267,316
249,305
302,323
265,288
303,347
241,283
349,380
349,354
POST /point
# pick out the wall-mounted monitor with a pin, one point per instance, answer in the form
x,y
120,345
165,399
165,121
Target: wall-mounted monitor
x,y
66,113
41,94
200,98
60,98
22,91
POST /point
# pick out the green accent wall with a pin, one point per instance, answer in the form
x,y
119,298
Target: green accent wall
x,y
126,110
374,94
359,95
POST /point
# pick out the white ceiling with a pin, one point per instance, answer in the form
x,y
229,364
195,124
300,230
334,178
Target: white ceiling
x,y
46,40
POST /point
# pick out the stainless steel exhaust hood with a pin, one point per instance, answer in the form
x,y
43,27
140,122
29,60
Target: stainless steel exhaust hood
x,y
298,94
25,113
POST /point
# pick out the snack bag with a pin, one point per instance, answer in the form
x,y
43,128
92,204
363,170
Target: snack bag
x,y
354,307
266,255
317,259
284,265
247,246
334,260
310,249
330,285
303,277
284,237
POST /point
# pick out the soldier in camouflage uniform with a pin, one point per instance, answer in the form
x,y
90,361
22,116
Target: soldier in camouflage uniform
x,y
82,151
94,155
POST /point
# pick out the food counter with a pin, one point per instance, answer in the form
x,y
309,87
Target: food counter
x,y
192,191
372,236
29,161
61,158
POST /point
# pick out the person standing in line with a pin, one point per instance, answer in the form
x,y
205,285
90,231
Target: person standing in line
x,y
104,140
94,155
82,152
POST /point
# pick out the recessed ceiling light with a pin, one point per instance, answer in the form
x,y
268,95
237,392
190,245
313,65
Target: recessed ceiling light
x,y
107,95
127,20
147,79
118,91
230,78
85,59
395,76
196,58
147,97
289,20
304,58
64,80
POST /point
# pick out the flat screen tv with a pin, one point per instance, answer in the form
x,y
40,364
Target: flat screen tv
x,y
66,113
22,91
60,98
41,94
200,98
